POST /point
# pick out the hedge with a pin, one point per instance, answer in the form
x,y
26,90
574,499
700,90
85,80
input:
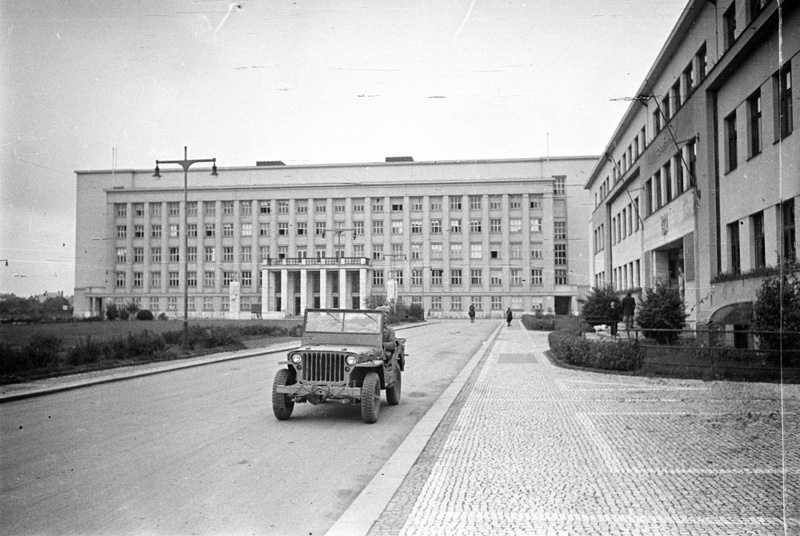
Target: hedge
x,y
606,355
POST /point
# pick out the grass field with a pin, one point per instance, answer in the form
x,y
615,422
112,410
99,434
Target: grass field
x,y
74,332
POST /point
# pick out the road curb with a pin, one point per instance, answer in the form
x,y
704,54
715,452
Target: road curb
x,y
367,508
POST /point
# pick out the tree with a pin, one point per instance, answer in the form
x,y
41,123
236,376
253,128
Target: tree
x,y
777,309
662,308
597,306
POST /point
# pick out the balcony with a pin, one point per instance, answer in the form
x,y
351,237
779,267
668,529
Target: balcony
x,y
316,262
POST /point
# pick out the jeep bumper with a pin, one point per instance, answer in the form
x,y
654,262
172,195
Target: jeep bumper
x,y
324,392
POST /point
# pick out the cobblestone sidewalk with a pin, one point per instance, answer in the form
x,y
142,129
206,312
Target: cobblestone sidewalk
x,y
530,448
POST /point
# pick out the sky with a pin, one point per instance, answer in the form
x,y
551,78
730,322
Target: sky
x,y
102,84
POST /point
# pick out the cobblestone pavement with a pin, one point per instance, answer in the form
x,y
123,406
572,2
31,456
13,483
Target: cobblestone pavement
x,y
530,448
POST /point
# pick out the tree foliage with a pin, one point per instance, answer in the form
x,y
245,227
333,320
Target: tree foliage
x,y
662,308
597,306
777,309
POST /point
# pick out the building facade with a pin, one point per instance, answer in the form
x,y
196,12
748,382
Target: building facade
x,y
275,239
699,185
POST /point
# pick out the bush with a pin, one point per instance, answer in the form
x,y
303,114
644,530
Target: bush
x,y
601,306
538,323
144,314
662,309
111,311
163,316
87,351
43,350
12,359
124,314
572,349
777,309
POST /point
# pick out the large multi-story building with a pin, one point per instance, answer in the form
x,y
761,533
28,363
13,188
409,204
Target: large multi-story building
x,y
699,185
276,239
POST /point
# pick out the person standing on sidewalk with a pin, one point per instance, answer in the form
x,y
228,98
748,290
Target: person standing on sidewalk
x,y
628,309
509,316
471,313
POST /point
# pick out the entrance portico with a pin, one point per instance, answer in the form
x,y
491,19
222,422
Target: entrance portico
x,y
290,286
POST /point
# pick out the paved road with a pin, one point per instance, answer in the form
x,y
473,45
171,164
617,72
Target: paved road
x,y
197,451
528,448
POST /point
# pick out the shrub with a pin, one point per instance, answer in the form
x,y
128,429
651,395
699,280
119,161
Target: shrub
x,y
144,314
416,312
163,316
538,323
87,351
111,311
124,314
662,309
572,349
12,359
43,350
777,309
601,306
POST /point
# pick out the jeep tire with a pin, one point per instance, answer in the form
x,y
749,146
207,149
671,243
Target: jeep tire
x,y
282,405
393,392
371,397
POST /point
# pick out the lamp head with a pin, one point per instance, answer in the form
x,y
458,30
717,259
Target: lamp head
x,y
214,169
158,172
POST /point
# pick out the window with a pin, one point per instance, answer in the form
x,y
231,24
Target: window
x,y
377,252
536,250
377,227
377,278
560,230
283,206
667,172
191,254
514,202
155,231
263,229
416,276
416,204
246,254
755,8
122,255
436,251
475,202
754,124
301,206
515,225
191,230
155,280
358,228
495,202
211,230
247,229
677,98
436,303
474,226
759,244
455,303
264,206
455,202
536,277
494,250
138,279
536,202
702,63
227,229
416,227
477,303
227,254
657,120
283,229
789,234
138,255
174,230
155,255
536,225
731,139
358,205
476,277
516,250
397,226
209,208
476,250
377,204
688,79
496,277
263,253
735,247
456,250
191,208
560,255
436,277
455,277
228,278
120,210
782,83
516,276
657,188
397,205
208,303
174,254
665,109
138,209
174,279
247,279
416,251
283,251
319,228
210,254
191,279
245,208
227,208
561,277
320,206
729,26
339,206
436,226
497,303
319,252
691,149
302,228
209,278
455,226
559,185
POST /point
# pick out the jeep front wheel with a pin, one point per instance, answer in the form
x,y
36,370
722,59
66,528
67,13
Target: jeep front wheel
x,y
282,405
371,397
393,392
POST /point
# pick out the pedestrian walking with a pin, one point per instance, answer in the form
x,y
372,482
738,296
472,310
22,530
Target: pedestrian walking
x,y
613,318
509,316
471,313
628,310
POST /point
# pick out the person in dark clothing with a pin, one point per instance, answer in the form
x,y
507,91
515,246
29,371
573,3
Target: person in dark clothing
x,y
509,316
628,310
471,313
613,318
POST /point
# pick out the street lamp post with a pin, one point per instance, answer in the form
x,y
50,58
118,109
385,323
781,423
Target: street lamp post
x,y
185,163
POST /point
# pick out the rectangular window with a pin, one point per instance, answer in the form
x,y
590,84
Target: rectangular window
x,y
377,278
174,279
667,173
657,120
283,228
191,208
210,254
263,229
377,227
416,204
209,278
496,277
174,254
211,230
319,228
155,280
456,250
476,276
455,277
789,234
247,280
155,210
247,229
138,232
264,206
759,243
436,204
227,229
702,62
416,227
729,26
516,250
515,225
377,204
155,255
208,303
138,255
138,279
536,277
536,225
782,84
120,210
301,228
416,276
320,206
245,208
477,303
210,208
560,230
455,226
174,230
122,255
688,79
561,277
476,250
436,277
560,255
497,303
754,124
514,202
455,202
536,202
227,208
731,141
155,231
339,206
138,209
246,254
536,250
191,254
436,251
191,230
227,254
559,185
735,247
475,202
358,228
455,303
677,99
474,226
283,206
494,250
436,303
495,202
191,279
416,251
263,253
516,276
665,109
755,8
358,205
283,251
377,252
436,226
227,278
397,205
397,227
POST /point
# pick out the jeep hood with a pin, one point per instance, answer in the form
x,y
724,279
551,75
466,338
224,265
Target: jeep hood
x,y
340,348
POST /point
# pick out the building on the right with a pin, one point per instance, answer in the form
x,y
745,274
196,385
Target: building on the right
x,y
699,186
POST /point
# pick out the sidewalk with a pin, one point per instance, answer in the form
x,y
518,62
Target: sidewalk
x,y
530,448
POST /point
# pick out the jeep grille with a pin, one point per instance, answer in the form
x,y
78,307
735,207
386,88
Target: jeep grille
x,y
323,367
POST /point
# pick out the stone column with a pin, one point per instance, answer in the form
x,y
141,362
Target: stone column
x,y
284,290
342,288
362,287
303,290
323,288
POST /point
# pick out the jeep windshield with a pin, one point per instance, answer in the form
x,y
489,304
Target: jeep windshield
x,y
347,322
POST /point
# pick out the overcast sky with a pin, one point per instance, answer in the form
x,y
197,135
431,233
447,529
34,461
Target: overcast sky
x,y
305,81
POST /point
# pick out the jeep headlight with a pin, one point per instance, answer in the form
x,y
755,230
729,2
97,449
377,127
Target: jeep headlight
x,y
296,358
351,360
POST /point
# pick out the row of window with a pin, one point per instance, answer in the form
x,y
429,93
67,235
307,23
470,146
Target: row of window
x,y
301,206
675,177
782,120
627,276
754,7
757,238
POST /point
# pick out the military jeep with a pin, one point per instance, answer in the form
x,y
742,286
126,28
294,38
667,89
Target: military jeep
x,y
346,355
